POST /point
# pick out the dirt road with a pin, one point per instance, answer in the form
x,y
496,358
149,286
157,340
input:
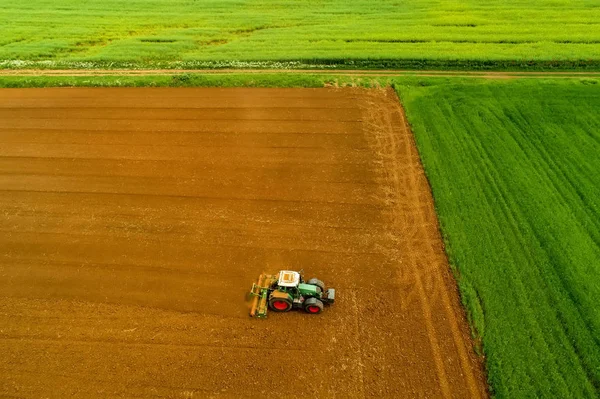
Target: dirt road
x,y
133,221
337,72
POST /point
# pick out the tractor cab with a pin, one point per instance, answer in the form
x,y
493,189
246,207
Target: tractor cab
x,y
288,279
293,283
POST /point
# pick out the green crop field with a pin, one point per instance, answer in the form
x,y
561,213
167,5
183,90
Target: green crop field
x,y
501,34
515,172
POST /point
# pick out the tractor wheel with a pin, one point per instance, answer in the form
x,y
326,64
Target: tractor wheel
x,y
280,304
313,306
317,282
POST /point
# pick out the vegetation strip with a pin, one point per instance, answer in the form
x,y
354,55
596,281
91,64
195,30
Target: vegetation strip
x,y
241,79
149,72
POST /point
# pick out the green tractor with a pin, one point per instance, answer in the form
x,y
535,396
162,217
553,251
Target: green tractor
x,y
287,290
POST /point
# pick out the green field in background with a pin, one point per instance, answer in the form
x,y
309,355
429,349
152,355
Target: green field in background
x,y
508,34
515,172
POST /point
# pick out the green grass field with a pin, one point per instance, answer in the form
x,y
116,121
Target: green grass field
x,y
497,34
515,172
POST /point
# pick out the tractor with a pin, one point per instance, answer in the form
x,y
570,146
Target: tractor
x,y
287,290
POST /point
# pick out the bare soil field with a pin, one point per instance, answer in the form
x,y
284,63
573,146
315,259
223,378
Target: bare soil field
x,y
134,221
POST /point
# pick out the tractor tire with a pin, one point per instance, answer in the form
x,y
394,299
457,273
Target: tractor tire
x,y
313,306
317,282
280,305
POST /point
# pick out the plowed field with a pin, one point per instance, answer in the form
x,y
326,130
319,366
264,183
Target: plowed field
x,y
133,221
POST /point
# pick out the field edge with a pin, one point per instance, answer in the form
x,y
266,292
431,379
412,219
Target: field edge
x,y
339,64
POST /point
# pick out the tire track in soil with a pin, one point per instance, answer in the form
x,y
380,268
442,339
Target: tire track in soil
x,y
418,230
134,286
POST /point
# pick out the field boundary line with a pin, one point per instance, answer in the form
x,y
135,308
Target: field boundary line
x,y
331,72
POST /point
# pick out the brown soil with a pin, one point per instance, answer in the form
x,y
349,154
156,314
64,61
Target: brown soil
x,y
134,221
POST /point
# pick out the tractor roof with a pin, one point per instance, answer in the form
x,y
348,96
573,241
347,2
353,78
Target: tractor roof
x,y
288,278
